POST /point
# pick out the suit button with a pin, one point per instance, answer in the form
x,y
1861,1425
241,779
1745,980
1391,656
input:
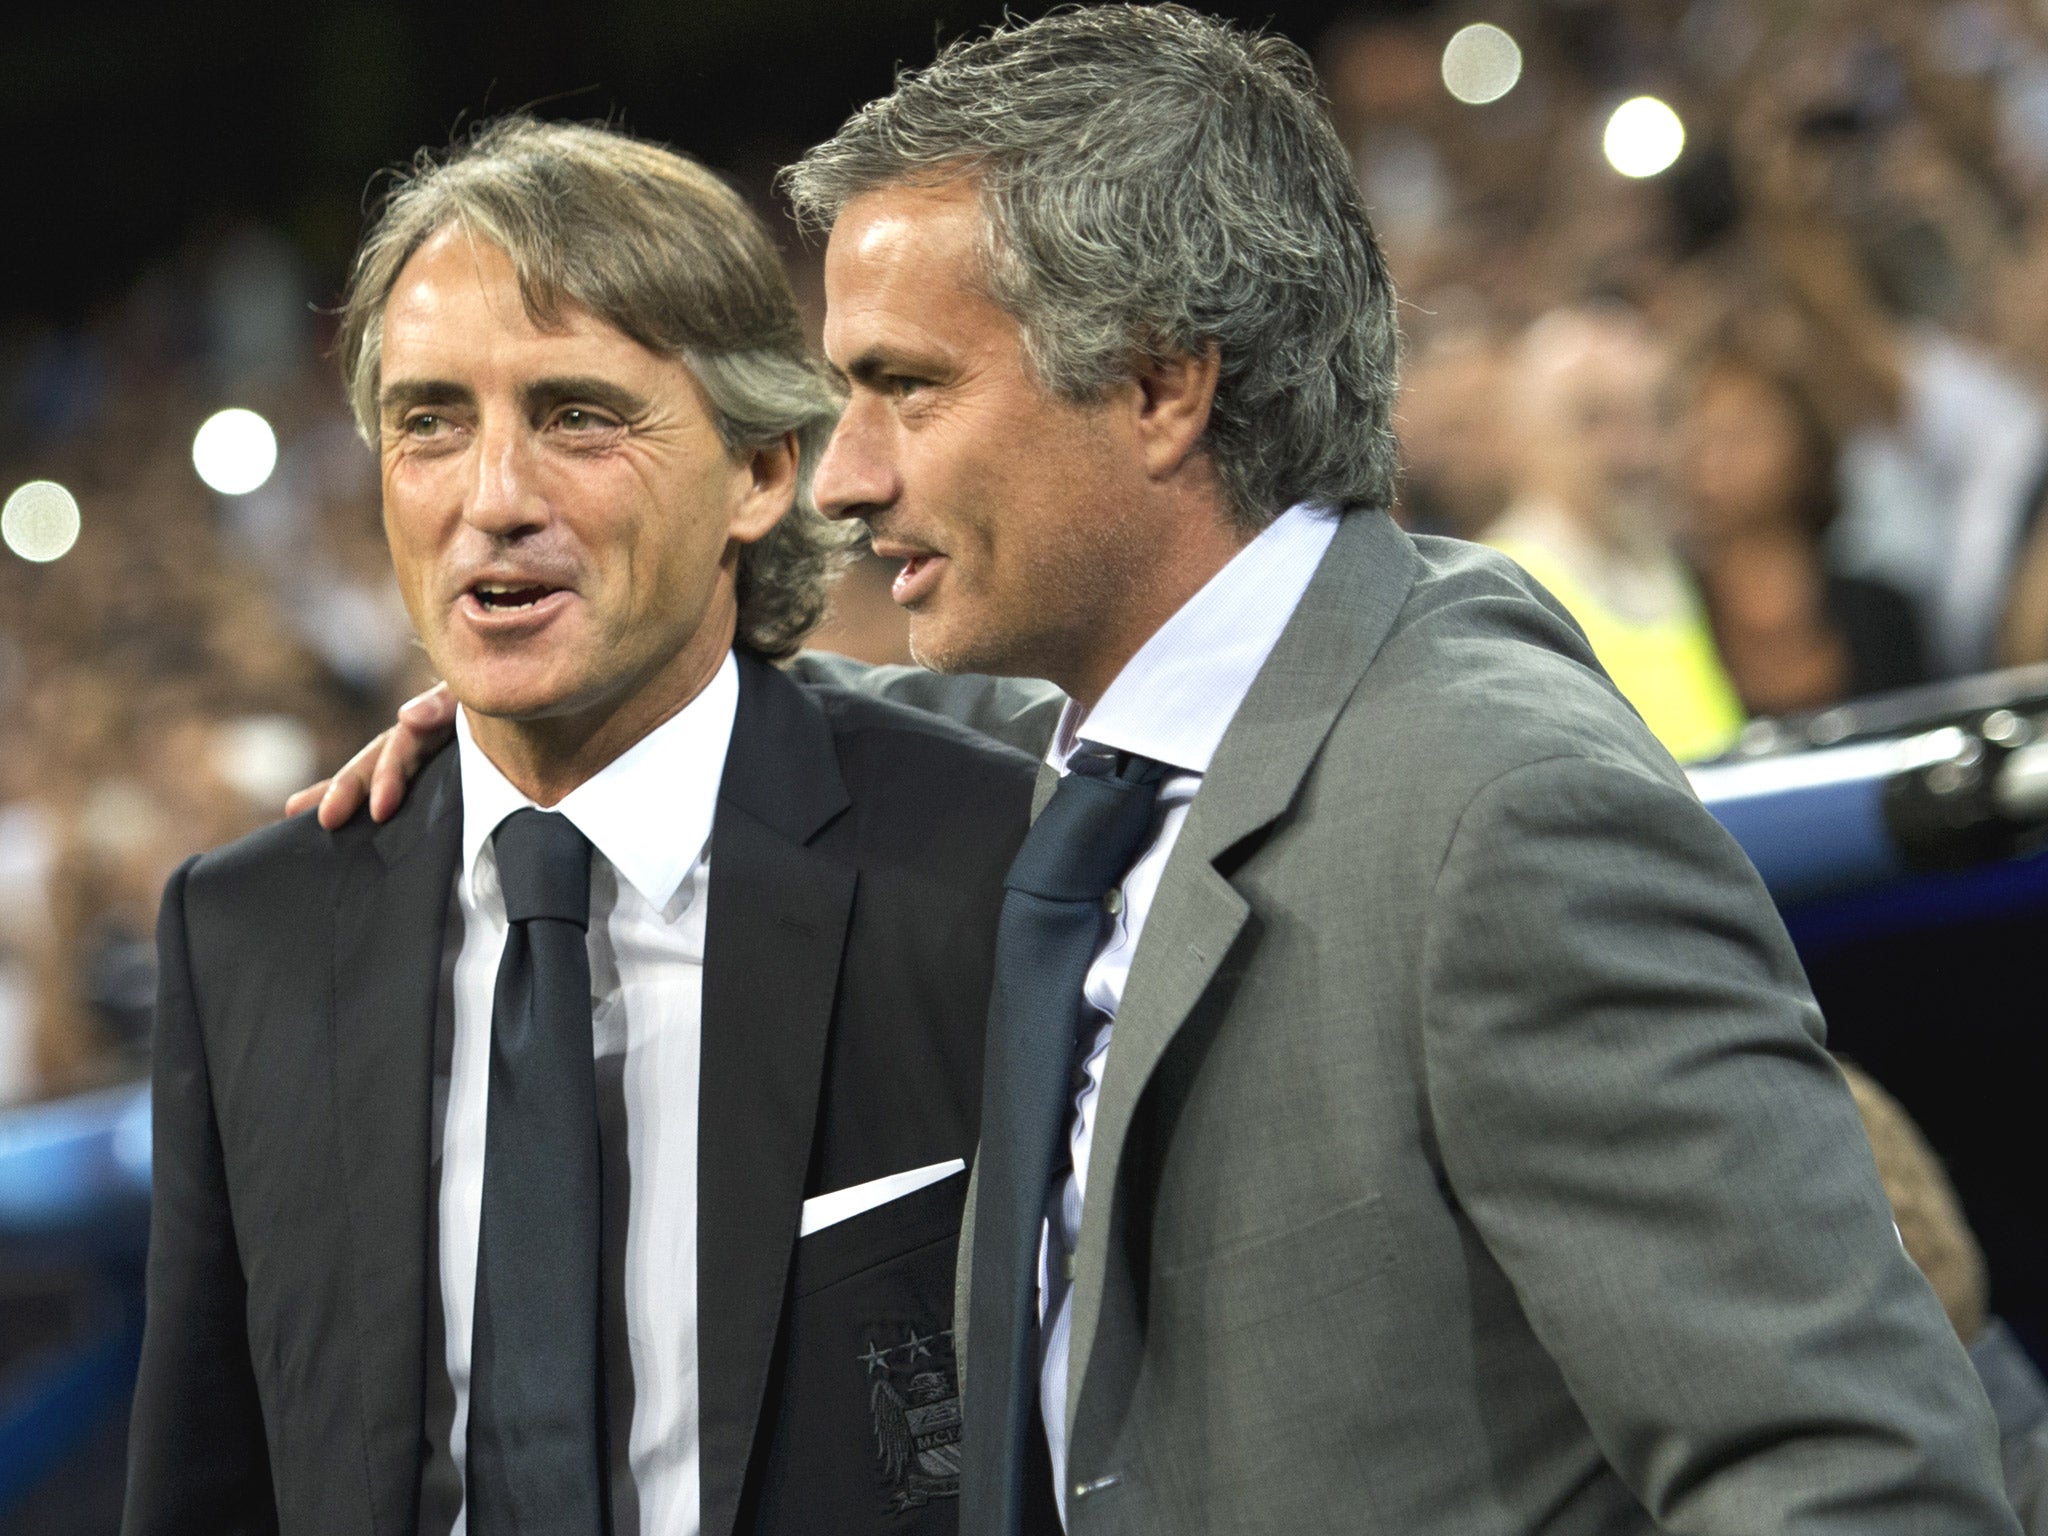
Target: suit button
x,y
1113,903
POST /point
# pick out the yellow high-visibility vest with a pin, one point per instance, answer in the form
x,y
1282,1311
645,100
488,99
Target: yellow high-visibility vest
x,y
1667,668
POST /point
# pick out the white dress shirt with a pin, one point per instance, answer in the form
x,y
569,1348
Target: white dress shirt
x,y
648,816
1172,702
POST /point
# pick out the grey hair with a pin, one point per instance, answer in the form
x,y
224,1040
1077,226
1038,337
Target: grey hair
x,y
1157,182
653,243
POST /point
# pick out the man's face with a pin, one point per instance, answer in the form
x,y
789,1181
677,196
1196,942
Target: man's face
x,y
1591,392
1609,403
561,511
1003,499
1457,467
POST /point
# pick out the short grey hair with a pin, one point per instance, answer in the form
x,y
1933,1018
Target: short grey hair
x,y
1157,182
653,243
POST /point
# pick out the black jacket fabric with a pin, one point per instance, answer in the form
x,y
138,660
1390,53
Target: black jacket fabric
x,y
856,874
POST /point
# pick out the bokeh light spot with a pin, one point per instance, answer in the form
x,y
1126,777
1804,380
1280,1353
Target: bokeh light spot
x,y
1481,64
40,521
1644,136
235,451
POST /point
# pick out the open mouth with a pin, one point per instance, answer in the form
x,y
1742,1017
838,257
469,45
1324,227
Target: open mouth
x,y
509,597
915,578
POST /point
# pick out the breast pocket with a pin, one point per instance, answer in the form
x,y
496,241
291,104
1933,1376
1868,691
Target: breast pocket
x,y
893,1230
869,1418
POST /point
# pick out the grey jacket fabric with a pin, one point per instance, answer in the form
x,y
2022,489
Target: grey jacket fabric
x,y
1018,711
1468,1160
2019,1401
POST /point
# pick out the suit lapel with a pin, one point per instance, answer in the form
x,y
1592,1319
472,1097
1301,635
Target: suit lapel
x,y
1196,916
775,929
390,912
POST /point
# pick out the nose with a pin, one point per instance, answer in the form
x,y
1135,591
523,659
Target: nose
x,y
504,498
857,474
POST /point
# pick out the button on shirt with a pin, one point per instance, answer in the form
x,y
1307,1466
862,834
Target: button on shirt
x,y
648,816
1172,703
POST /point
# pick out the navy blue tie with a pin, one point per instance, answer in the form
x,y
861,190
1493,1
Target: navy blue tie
x,y
1079,849
536,1457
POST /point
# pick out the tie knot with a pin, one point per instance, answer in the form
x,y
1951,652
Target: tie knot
x,y
543,867
1089,834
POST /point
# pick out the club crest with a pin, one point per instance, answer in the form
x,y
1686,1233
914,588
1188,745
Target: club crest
x,y
914,1394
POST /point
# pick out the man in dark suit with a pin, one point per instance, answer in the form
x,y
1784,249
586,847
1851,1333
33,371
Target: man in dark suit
x,y
595,1168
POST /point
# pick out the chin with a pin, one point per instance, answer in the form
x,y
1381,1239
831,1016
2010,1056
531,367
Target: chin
x,y
503,698
957,648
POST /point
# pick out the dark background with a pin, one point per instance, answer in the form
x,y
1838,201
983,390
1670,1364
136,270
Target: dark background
x,y
139,129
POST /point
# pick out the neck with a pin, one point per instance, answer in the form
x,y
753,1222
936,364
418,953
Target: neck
x,y
1166,573
545,758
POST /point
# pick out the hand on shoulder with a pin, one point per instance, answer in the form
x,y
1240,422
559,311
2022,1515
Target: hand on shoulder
x,y
379,774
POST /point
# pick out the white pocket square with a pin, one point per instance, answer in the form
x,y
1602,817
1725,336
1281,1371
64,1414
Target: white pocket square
x,y
822,1211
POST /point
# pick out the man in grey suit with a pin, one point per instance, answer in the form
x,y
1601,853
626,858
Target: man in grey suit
x,y
1452,1146
1449,1145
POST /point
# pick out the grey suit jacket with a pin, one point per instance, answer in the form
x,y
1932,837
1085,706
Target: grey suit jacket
x,y
1468,1159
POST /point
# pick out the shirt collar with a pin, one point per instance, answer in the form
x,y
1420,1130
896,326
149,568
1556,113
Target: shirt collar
x,y
649,810
1174,699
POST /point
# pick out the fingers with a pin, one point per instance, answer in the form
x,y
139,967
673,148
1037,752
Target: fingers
x,y
393,769
429,712
378,774
424,724
350,788
305,799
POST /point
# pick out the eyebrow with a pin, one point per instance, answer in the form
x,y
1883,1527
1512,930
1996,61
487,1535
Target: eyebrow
x,y
404,394
544,394
540,395
877,361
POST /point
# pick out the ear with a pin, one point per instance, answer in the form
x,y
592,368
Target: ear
x,y
767,490
1175,394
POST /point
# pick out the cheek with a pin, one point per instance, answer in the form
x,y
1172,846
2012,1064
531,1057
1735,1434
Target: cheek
x,y
410,559
668,553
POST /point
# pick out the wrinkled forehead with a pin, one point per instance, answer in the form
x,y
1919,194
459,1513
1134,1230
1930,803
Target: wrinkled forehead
x,y
458,303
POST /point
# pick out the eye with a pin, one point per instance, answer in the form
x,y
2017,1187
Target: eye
x,y
581,418
423,424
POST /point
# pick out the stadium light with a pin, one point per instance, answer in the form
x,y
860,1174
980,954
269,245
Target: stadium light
x,y
1644,137
234,451
1481,64
40,521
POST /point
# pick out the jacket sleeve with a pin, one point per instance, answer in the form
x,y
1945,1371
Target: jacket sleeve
x,y
197,1459
1626,1077
1020,712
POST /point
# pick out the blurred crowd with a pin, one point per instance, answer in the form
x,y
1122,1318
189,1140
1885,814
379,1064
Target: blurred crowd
x,y
1773,424
194,656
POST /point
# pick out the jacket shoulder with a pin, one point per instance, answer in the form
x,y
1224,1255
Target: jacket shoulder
x,y
924,783
1020,711
290,861
261,890
901,738
1484,671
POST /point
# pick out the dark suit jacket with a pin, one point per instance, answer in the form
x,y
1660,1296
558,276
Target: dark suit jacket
x,y
856,873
